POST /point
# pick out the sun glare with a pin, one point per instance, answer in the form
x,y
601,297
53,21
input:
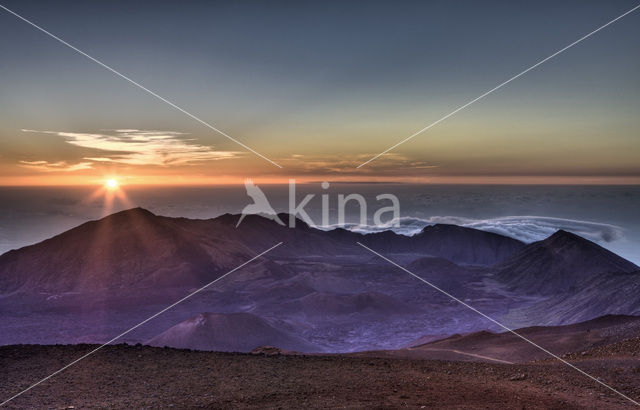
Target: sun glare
x,y
112,183
112,194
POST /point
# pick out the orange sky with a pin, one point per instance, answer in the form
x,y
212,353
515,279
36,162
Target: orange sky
x,y
174,180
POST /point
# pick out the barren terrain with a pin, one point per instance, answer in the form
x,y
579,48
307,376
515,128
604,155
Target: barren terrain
x,y
124,376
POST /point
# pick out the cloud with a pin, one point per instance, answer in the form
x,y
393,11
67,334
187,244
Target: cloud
x,y
389,164
142,147
46,166
525,228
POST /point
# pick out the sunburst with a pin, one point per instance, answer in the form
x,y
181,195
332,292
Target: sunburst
x,y
111,191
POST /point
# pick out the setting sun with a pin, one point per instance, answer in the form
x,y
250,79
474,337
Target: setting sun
x,y
111,191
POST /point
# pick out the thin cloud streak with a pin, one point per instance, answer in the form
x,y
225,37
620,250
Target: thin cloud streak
x,y
343,164
46,166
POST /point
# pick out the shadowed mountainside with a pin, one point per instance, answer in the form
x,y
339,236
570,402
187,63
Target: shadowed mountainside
x,y
559,263
129,248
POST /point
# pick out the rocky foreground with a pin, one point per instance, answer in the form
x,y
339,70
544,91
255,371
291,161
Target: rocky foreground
x,y
124,376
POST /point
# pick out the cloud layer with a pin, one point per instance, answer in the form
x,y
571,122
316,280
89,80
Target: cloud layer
x,y
525,228
136,147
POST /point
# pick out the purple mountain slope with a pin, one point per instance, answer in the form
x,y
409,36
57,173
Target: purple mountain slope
x,y
558,263
319,287
129,248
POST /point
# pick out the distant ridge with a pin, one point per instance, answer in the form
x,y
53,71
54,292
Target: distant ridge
x,y
136,248
459,244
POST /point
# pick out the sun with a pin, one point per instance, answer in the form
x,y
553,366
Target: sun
x,y
112,183
112,194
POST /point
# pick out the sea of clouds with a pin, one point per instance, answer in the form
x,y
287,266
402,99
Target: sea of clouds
x,y
525,228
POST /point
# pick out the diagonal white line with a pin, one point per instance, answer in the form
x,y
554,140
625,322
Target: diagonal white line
x,y
499,324
206,124
138,325
462,107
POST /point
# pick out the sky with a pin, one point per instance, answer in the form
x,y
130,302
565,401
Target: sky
x,y
319,88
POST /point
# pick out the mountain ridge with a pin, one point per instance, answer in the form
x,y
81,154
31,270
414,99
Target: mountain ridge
x,y
559,263
138,248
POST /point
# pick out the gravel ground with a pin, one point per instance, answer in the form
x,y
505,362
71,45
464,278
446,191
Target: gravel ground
x,y
123,376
